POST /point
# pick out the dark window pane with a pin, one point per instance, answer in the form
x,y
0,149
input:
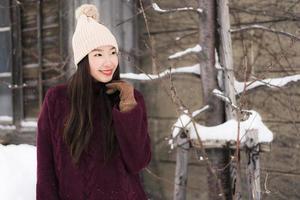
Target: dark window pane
x,y
5,61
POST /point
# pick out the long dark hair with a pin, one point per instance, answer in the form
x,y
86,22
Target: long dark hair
x,y
79,122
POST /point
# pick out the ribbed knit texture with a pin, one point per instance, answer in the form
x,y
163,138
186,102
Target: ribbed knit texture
x,y
59,179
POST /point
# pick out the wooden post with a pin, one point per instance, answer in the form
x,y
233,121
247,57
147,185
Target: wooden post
x,y
217,180
39,47
226,56
253,165
181,172
17,69
226,61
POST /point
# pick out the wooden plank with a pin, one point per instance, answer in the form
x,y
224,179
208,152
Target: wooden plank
x,y
210,144
181,173
15,137
253,165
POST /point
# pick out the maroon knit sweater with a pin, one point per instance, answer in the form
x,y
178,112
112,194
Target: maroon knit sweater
x,y
59,179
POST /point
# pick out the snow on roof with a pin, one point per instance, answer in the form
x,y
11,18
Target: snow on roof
x,y
227,131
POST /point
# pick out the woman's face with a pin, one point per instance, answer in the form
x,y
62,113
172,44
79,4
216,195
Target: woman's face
x,y
103,63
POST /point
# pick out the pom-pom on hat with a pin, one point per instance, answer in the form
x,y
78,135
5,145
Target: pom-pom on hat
x,y
89,33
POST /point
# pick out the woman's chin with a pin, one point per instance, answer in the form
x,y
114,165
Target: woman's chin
x,y
104,80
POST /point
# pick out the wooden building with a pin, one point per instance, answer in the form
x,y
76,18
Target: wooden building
x,y
36,53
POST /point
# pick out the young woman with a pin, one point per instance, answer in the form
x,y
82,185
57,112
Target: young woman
x,y
92,138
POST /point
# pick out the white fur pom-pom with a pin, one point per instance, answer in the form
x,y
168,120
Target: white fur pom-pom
x,y
89,10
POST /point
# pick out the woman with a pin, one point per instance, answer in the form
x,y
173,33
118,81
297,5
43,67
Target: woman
x,y
92,138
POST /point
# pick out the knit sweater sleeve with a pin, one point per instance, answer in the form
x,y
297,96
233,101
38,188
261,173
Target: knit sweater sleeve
x,y
46,185
132,134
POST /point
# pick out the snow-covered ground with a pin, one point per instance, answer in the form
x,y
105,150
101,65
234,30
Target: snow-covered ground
x,y
17,172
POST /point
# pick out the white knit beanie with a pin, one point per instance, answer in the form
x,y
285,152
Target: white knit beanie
x,y
89,33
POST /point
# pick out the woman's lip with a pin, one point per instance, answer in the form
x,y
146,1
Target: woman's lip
x,y
107,72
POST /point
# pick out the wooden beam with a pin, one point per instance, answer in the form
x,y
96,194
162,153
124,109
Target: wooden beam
x,y
17,72
15,137
211,144
181,173
217,182
253,165
66,27
226,56
40,51
226,61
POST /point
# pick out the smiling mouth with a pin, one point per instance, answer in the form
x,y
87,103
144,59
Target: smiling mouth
x,y
106,72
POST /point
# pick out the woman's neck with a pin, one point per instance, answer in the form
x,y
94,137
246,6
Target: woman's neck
x,y
98,86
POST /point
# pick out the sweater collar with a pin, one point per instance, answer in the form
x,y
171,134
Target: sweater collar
x,y
98,87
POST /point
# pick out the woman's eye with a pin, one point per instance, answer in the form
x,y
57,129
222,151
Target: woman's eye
x,y
114,52
98,54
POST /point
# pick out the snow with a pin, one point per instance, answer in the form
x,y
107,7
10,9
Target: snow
x,y
24,124
194,49
158,9
221,95
4,29
7,127
217,62
255,26
17,172
195,69
227,131
5,118
29,123
270,82
5,74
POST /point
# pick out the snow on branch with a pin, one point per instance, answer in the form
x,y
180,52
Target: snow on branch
x,y
227,131
270,82
194,49
246,28
194,69
222,96
227,100
158,9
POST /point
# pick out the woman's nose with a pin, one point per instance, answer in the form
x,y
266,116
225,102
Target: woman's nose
x,y
107,60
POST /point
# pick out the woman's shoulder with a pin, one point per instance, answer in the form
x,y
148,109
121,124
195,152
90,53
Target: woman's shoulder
x,y
138,94
57,92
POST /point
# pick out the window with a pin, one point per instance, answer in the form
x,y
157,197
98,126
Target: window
x,y
5,63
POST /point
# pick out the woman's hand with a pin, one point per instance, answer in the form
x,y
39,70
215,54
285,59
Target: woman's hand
x,y
127,100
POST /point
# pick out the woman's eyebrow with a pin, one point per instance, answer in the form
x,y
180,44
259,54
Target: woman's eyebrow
x,y
97,49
